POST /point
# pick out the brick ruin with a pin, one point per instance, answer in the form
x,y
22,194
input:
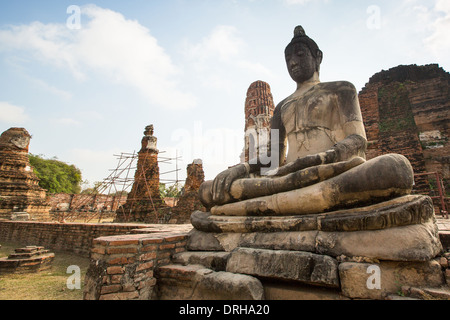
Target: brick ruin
x,y
82,206
406,110
19,189
189,200
259,107
31,259
144,201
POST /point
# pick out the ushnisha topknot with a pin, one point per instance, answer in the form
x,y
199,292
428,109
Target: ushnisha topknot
x,y
301,37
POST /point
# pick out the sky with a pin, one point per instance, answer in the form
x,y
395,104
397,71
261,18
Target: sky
x,y
86,78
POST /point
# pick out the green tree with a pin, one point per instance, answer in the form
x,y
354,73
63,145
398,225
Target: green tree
x,y
172,191
56,176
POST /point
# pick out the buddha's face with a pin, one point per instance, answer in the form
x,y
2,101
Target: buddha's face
x,y
300,62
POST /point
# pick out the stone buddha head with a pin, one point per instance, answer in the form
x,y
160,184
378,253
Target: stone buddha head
x,y
303,56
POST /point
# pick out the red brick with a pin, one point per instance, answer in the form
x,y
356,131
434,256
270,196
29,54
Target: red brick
x,y
122,250
148,256
115,279
145,266
115,270
121,260
167,246
111,289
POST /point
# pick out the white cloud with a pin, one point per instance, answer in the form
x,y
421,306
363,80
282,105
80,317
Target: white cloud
x,y
302,2
293,2
12,114
222,43
107,43
222,50
67,122
95,164
439,41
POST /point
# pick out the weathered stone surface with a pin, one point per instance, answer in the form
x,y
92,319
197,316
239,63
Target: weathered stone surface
x,y
195,282
377,281
418,243
407,210
356,187
285,265
202,241
258,187
216,261
298,241
297,291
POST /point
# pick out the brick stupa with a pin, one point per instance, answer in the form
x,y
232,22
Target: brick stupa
x,y
189,200
19,186
144,199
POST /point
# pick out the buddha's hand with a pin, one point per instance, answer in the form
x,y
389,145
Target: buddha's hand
x,y
222,183
317,159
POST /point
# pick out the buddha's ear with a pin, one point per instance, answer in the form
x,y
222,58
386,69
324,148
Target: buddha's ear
x,y
319,57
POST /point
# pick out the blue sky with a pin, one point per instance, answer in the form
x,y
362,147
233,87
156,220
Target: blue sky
x,y
85,89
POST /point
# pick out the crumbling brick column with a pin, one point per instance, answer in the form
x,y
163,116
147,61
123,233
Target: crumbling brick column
x,y
19,185
189,200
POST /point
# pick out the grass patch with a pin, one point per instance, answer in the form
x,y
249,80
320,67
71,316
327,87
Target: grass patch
x,y
47,285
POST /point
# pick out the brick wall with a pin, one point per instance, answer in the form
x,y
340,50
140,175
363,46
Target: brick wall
x,y
72,237
406,110
65,202
122,267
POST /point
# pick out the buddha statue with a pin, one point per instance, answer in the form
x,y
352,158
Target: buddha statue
x,y
314,190
321,126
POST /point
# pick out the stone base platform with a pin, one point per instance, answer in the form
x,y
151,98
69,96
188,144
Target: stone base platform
x,y
27,260
292,275
402,229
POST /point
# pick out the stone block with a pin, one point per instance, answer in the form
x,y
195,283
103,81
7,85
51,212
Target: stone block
x,y
296,266
294,291
418,243
20,216
216,261
195,282
379,280
297,241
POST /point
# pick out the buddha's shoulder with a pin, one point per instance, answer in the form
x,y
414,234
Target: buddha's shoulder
x,y
336,87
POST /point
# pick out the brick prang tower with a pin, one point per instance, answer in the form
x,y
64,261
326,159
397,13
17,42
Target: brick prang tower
x,y
259,107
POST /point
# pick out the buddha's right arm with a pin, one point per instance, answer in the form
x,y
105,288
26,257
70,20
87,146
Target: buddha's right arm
x,y
217,191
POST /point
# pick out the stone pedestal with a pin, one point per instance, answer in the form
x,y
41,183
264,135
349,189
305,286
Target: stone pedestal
x,y
362,253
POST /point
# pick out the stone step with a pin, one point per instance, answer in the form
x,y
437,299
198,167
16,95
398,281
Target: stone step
x,y
27,255
28,249
195,282
442,293
216,261
303,267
